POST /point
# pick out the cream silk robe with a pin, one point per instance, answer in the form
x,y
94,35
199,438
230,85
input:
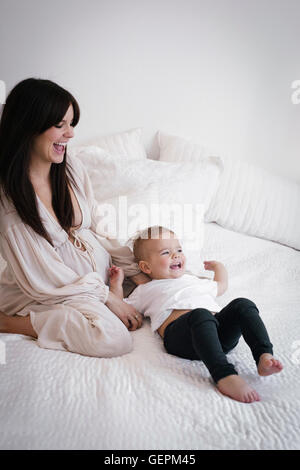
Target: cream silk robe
x,y
63,288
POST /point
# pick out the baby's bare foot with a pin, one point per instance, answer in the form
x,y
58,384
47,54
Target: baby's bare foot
x,y
116,278
235,387
268,365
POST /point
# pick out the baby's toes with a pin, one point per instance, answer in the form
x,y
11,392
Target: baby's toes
x,y
113,274
277,364
253,396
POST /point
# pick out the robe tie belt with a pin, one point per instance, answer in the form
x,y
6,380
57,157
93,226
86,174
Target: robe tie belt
x,y
80,242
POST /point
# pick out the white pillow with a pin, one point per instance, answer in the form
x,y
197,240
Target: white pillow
x,y
175,182
173,148
248,199
127,144
182,191
251,200
122,217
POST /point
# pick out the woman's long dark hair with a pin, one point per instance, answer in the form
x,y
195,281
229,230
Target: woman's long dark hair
x,y
32,107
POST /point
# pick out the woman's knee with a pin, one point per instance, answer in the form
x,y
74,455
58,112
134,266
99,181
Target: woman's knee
x,y
105,334
80,329
122,344
115,344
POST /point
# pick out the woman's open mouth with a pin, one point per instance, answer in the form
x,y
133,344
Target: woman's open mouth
x,y
59,147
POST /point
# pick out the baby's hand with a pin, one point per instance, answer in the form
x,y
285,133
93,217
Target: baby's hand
x,y
210,265
220,276
116,276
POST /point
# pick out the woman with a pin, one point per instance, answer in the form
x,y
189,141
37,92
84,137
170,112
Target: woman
x,y
54,287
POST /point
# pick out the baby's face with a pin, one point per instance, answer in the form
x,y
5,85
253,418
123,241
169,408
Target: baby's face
x,y
164,258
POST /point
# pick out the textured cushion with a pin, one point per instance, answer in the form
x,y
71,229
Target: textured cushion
x,y
122,217
175,182
148,192
254,201
248,199
173,148
127,144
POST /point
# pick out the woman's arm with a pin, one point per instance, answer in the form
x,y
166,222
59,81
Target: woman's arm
x,y
131,318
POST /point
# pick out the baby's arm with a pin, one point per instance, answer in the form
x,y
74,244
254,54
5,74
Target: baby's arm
x,y
221,276
116,278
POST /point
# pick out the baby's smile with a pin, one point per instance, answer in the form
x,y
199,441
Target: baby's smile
x,y
177,265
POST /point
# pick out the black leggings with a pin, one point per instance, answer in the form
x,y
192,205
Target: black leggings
x,y
201,335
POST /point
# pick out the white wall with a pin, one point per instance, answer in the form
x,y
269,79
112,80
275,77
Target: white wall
x,y
218,71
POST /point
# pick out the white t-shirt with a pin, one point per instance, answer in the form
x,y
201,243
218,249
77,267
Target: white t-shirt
x,y
156,299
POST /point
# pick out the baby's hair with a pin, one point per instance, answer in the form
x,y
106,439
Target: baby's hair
x,y
155,232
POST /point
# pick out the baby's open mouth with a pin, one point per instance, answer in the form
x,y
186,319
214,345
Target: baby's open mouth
x,y
177,265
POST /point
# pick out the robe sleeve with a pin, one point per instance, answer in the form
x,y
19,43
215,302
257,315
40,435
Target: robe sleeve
x,y
41,274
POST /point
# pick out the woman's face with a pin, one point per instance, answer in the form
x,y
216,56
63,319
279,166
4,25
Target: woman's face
x,y
50,146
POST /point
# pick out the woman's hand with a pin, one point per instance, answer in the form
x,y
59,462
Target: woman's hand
x,y
131,318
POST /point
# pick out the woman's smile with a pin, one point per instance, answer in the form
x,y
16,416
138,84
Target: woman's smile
x,y
60,147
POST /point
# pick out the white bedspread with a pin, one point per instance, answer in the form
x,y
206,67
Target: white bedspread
x,y
151,400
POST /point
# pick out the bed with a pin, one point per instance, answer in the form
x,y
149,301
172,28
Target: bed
x,y
148,399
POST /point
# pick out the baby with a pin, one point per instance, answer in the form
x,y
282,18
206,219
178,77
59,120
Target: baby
x,y
183,309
